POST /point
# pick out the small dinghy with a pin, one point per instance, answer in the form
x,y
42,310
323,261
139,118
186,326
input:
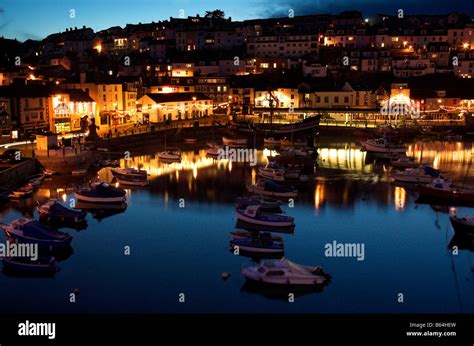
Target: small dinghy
x,y
56,213
268,205
271,141
22,265
234,142
190,140
404,162
272,189
79,172
27,231
255,235
285,272
101,193
254,214
130,176
258,246
49,172
170,156
463,225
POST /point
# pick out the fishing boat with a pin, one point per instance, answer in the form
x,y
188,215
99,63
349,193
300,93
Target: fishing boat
x,y
382,145
258,246
54,212
79,172
442,190
254,214
463,225
285,272
421,175
27,231
272,189
169,156
101,193
404,162
234,142
130,176
255,235
271,141
269,205
43,265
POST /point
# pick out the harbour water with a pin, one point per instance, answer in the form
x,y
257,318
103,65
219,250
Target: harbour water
x,y
177,230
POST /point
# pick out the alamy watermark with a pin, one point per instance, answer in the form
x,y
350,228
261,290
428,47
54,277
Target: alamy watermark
x,y
401,105
10,249
238,155
336,249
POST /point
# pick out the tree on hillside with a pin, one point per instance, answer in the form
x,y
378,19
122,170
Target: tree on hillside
x,y
216,14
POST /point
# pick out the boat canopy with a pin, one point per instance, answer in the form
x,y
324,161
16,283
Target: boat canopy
x,y
58,210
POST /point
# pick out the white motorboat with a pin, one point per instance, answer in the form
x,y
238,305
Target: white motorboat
x,y
381,145
421,175
271,189
237,142
253,214
285,272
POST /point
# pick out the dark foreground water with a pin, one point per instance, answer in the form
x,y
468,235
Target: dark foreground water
x,y
177,250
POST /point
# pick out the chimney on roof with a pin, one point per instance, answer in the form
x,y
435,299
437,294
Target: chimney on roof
x,y
75,28
83,26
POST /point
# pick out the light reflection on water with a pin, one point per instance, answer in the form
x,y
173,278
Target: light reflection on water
x,y
351,199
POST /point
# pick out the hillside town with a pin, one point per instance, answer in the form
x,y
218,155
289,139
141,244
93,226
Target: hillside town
x,y
343,66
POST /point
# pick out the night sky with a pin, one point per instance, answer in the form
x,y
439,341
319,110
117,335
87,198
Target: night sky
x,y
36,19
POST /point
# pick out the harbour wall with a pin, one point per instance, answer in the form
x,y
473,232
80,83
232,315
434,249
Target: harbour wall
x,y
15,176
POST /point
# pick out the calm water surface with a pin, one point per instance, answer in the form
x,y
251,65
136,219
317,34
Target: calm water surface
x,y
185,250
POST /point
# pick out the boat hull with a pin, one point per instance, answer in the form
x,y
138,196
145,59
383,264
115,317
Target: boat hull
x,y
461,226
91,199
245,218
427,192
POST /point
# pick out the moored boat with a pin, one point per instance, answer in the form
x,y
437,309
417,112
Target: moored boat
x,y
272,189
254,214
463,225
285,272
25,191
404,162
266,204
101,193
234,142
54,212
130,176
79,172
255,235
442,190
27,231
421,175
382,145
43,265
272,141
258,246
169,156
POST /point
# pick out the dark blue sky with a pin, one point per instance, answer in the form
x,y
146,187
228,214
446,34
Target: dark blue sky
x,y
36,19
